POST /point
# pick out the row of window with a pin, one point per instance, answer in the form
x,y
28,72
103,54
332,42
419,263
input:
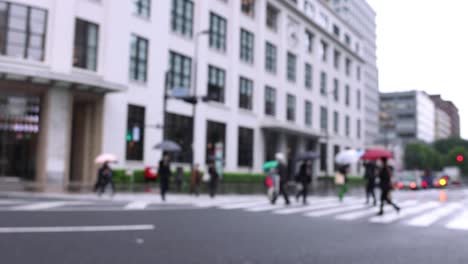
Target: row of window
x,y
175,129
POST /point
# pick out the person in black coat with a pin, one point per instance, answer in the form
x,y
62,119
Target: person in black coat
x,y
284,178
370,174
104,178
214,177
304,178
385,176
164,174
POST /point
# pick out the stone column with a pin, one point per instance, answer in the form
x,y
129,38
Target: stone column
x,y
55,135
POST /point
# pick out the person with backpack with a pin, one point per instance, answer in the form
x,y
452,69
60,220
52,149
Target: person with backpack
x,y
385,176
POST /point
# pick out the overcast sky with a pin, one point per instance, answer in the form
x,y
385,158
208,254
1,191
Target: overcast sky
x,y
423,45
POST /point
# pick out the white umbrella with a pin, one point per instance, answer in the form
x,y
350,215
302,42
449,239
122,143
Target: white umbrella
x,y
169,146
103,158
349,156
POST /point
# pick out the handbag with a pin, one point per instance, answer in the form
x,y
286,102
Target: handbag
x,y
339,178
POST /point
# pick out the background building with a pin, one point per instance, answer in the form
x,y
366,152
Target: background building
x,y
452,111
407,117
82,77
360,15
442,124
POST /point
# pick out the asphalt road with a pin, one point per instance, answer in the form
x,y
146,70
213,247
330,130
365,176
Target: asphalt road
x,y
211,235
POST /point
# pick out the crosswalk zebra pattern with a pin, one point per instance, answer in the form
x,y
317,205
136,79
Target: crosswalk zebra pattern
x,y
451,215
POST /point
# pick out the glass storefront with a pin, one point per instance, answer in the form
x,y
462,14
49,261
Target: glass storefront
x,y
19,132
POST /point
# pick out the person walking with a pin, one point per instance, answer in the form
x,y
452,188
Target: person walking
x,y
195,180
283,175
179,177
214,177
370,174
104,178
343,170
164,174
385,176
304,178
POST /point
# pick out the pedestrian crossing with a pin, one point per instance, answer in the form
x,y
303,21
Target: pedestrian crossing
x,y
415,213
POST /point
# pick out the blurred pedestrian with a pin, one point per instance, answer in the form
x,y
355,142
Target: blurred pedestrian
x,y
385,176
284,178
195,180
343,171
104,178
179,178
304,179
164,174
370,173
214,177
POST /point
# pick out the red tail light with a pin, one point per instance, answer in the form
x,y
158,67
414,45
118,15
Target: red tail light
x,y
413,185
424,184
400,185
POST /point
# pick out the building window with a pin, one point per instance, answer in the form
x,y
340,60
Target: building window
x,y
270,101
216,84
323,118
336,31
336,120
245,93
347,126
270,57
347,40
182,17
143,8
22,31
178,129
218,31
323,83
246,145
348,66
323,157
135,132
86,45
358,99
308,76
138,58
336,90
358,129
309,41
347,91
336,59
272,17
291,71
246,46
336,150
358,73
215,135
291,108
248,7
308,113
324,51
180,68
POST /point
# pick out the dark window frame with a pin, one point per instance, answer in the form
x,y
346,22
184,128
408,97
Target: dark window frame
x,y
308,76
216,83
270,57
135,118
245,157
270,101
308,111
291,108
246,91
218,33
137,60
82,46
142,8
291,67
247,46
182,75
182,22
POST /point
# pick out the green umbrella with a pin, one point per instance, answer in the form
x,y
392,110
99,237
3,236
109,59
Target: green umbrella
x,y
270,164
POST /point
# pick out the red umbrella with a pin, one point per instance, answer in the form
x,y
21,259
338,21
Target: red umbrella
x,y
377,153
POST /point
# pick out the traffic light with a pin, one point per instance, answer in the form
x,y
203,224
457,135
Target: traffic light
x,y
129,136
460,158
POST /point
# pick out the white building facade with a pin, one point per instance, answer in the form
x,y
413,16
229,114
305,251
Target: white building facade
x,y
361,16
280,75
442,124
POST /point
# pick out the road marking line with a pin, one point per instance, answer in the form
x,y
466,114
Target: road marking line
x,y
56,229
429,218
392,217
339,209
306,208
7,202
460,222
219,202
138,205
242,205
371,211
43,206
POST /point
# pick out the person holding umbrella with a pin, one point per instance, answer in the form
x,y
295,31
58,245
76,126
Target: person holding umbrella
x,y
104,175
344,159
385,176
164,173
214,177
304,178
283,175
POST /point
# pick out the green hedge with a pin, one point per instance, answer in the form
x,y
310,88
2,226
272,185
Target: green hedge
x,y
351,179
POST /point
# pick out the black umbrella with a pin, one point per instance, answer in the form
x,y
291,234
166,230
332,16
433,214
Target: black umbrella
x,y
309,155
168,146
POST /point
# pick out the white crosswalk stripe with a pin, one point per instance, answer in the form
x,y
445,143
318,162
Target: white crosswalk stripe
x,y
460,222
370,211
138,205
267,207
392,217
43,205
339,209
433,216
8,202
320,205
241,205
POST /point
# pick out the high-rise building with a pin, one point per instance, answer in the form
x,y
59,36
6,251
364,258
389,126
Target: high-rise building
x,y
83,77
452,111
360,15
